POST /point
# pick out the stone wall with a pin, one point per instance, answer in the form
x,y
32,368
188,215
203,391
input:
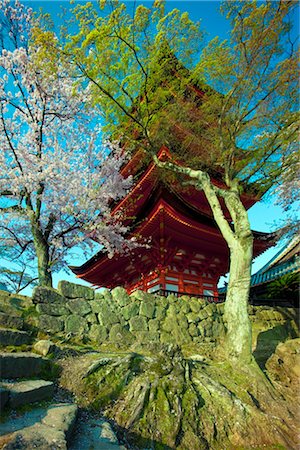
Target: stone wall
x,y
78,312
116,317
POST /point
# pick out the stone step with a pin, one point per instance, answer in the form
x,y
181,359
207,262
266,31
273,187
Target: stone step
x,y
21,365
52,431
14,337
30,391
10,321
94,433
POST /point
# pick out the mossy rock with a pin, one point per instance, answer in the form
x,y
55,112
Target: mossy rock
x,y
146,337
167,338
96,305
130,310
193,317
52,309
147,309
51,324
75,325
153,325
107,316
10,321
139,295
120,334
79,306
182,321
195,305
42,294
120,296
72,290
98,333
193,330
138,323
203,314
160,311
184,306
91,318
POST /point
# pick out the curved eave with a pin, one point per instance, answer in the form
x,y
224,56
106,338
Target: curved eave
x,y
162,222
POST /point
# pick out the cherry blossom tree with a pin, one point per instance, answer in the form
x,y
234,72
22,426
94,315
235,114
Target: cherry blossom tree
x,y
57,179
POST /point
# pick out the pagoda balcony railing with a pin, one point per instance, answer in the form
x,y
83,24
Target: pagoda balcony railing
x,y
208,298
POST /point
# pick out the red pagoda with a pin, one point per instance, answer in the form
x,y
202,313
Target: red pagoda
x,y
186,251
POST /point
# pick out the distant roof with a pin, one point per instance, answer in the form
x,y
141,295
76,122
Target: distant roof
x,y
287,260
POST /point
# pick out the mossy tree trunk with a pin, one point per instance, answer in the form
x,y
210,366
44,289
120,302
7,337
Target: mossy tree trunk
x,y
239,239
43,258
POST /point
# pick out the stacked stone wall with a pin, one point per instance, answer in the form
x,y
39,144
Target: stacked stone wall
x,y
116,317
75,312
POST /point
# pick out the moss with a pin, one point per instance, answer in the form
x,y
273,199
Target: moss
x,y
50,371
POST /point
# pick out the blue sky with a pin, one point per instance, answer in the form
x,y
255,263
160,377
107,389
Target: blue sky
x,y
265,214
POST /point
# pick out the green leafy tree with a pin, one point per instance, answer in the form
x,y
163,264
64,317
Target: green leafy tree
x,y
228,109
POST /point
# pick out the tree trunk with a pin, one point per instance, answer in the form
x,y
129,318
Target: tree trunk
x,y
239,331
42,253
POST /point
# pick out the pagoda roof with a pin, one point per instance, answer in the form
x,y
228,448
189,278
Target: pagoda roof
x,y
150,178
165,217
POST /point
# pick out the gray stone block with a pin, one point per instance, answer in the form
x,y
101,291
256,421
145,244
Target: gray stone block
x,y
72,290
14,337
21,365
23,392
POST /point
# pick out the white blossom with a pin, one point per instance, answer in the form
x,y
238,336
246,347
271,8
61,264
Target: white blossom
x,y
54,169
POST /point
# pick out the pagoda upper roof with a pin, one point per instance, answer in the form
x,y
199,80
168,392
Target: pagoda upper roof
x,y
147,180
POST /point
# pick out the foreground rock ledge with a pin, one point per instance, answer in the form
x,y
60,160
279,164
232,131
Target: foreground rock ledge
x,y
168,401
